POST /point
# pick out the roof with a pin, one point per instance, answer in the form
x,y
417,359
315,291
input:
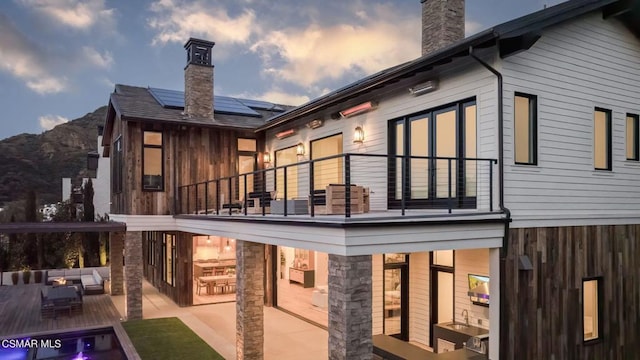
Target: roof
x,y
511,37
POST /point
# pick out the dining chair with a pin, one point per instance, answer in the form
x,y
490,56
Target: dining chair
x,y
202,284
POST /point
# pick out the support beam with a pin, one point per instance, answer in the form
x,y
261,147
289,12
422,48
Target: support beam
x,y
116,269
249,300
133,274
350,298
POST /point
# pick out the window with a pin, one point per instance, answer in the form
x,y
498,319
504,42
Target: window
x,y
286,157
246,163
327,172
525,129
602,139
151,247
117,166
169,259
152,173
591,306
633,135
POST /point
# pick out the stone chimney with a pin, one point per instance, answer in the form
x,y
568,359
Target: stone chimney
x,y
442,23
198,79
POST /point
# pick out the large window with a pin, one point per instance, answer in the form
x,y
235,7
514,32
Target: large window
x,y
633,137
447,132
169,259
151,247
152,173
117,166
602,139
327,172
525,129
285,157
246,164
591,304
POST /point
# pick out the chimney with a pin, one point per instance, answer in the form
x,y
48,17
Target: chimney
x,y
198,79
442,23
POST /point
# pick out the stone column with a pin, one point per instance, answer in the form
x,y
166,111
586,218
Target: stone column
x,y
249,300
133,274
116,274
350,307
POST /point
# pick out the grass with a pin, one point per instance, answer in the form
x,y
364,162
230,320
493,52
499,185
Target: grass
x,y
167,338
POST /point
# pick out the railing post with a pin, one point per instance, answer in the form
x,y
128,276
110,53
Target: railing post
x,y
403,171
206,197
188,198
244,196
491,185
450,200
217,197
264,189
312,198
347,184
196,210
284,177
229,187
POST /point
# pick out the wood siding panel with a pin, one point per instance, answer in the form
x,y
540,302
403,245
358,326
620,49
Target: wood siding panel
x,y
543,307
574,67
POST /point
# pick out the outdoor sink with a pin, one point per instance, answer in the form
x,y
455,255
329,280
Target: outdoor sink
x,y
458,326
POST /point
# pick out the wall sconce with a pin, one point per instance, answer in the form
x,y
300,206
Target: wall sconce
x,y
314,124
208,239
300,149
358,135
227,247
424,88
266,158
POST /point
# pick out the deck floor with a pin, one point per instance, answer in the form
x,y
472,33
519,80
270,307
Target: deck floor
x,y
20,312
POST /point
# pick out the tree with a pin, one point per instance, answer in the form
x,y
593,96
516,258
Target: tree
x,y
32,249
91,243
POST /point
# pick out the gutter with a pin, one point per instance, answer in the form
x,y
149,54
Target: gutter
x,y
505,239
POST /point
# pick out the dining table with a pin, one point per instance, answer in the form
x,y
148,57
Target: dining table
x,y
213,281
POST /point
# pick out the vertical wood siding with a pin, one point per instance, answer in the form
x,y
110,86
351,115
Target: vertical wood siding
x,y
543,307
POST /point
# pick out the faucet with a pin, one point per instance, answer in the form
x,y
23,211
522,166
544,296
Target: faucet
x,y
465,315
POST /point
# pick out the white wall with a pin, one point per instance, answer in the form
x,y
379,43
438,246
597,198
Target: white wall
x,y
377,294
573,68
102,183
419,297
474,261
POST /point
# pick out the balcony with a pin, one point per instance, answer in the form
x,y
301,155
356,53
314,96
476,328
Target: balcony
x,y
349,186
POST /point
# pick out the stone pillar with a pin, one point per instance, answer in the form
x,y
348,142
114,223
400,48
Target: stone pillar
x,y
442,24
350,310
116,274
133,274
249,300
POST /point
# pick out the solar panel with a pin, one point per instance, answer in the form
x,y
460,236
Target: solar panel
x,y
261,105
221,104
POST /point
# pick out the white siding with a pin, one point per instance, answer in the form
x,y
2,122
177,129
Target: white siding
x,y
419,298
377,295
474,261
573,68
463,81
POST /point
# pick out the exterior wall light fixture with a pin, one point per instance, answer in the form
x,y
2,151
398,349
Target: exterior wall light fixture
x,y
424,88
300,149
358,135
266,158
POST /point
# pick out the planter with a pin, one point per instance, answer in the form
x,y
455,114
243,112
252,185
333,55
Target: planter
x,y
14,278
26,276
37,276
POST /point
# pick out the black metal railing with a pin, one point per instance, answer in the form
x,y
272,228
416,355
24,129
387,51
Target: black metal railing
x,y
346,184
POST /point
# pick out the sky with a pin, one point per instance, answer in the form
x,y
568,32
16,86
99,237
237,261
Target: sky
x,y
60,59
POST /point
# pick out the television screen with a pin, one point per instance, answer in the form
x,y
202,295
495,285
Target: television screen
x,y
479,285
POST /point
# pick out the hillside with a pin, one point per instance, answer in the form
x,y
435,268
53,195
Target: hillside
x,y
38,162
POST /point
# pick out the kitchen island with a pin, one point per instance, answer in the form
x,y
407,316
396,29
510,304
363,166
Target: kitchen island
x,y
388,347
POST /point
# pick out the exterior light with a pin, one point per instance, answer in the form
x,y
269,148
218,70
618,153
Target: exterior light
x,y
227,247
266,158
300,149
424,88
358,135
314,124
358,109
285,133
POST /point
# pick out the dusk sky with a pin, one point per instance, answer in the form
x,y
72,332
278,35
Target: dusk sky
x,y
60,59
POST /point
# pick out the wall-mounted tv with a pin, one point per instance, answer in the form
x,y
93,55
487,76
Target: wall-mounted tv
x,y
479,289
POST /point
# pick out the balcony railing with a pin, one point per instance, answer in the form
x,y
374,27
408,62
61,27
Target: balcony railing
x,y
348,184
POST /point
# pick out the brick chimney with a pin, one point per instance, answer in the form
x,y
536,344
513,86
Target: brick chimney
x,y
442,23
198,79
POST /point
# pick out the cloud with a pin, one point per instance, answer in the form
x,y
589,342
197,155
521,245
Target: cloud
x,y
77,14
277,96
22,59
312,53
177,21
99,60
48,122
471,27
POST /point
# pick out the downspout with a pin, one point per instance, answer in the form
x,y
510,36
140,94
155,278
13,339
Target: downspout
x,y
505,239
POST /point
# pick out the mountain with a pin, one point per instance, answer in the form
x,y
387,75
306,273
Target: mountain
x,y
39,162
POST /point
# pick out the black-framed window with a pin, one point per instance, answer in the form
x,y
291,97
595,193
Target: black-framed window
x,y
592,309
152,164
247,162
169,259
151,237
602,139
117,164
287,156
525,116
445,132
330,171
633,137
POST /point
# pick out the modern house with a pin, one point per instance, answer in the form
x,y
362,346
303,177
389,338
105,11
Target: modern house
x,y
488,187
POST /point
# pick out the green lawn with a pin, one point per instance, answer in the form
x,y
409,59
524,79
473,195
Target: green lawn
x,y
167,338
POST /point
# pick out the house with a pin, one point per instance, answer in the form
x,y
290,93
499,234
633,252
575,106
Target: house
x,y
488,187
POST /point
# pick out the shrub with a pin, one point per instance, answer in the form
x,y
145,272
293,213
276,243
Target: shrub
x,y
37,276
26,276
14,277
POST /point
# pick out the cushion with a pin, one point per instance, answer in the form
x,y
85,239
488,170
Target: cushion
x,y
55,273
72,272
96,277
86,271
87,280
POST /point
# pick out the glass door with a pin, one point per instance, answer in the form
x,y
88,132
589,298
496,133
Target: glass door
x,y
442,289
396,296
